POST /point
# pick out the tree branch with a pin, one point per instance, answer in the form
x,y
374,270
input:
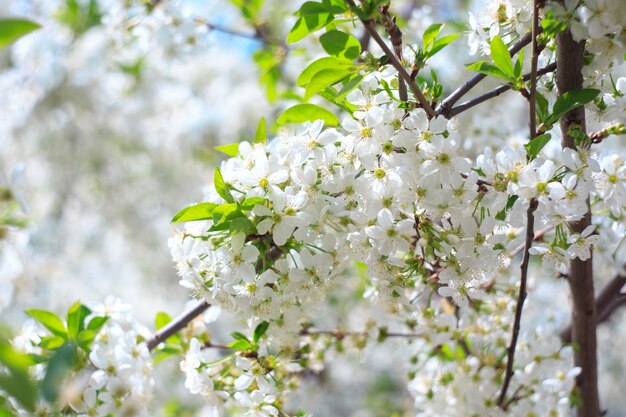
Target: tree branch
x,y
494,93
530,236
570,58
369,26
177,324
609,299
446,105
395,34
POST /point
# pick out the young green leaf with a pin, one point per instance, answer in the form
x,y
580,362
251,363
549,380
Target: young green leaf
x,y
441,43
50,321
249,203
312,17
489,69
232,149
260,330
301,113
200,211
340,44
221,187
570,100
328,62
260,136
536,145
76,319
325,78
240,345
96,323
542,108
430,34
61,363
161,319
11,29
501,57
242,224
227,211
352,83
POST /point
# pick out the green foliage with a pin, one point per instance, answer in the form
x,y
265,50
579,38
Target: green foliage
x,y
501,215
16,381
536,145
313,16
307,113
269,60
232,149
76,319
326,63
502,66
63,360
249,8
221,187
50,321
325,78
341,44
260,330
11,29
200,211
260,136
80,15
569,101
432,44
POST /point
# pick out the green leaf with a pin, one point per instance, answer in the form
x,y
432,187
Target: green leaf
x,y
260,330
161,319
97,323
536,145
242,224
313,16
240,345
239,336
200,211
50,321
63,360
350,85
328,62
488,68
85,338
249,203
13,359
430,34
20,386
542,108
570,100
227,211
11,29
51,342
232,149
341,44
441,43
519,64
260,136
307,113
76,319
501,57
221,187
325,78
501,215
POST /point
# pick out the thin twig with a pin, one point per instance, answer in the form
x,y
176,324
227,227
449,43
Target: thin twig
x,y
446,105
395,35
177,324
494,93
369,26
530,218
530,235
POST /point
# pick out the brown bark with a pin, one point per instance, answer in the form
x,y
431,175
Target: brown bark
x,y
570,56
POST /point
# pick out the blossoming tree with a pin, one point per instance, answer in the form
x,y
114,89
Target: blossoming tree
x,y
370,217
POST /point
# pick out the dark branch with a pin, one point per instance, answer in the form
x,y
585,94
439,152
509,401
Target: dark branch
x,y
530,236
177,324
446,105
609,299
494,93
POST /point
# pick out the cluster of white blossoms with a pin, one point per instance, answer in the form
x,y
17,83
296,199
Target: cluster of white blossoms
x,y
391,189
111,374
